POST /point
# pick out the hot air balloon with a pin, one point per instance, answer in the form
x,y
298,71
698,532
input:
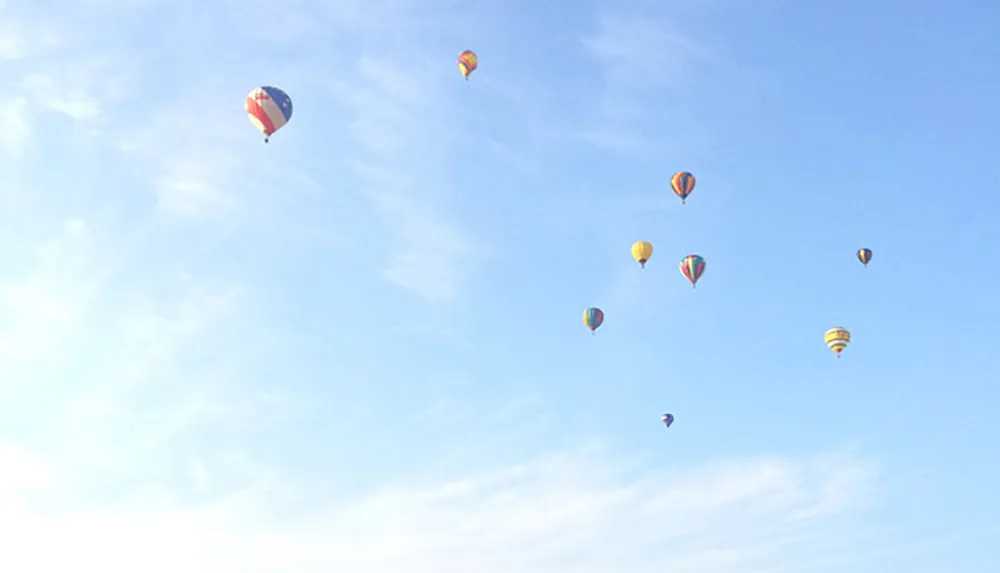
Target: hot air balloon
x,y
269,109
837,338
692,267
641,251
593,318
683,184
865,256
467,63
667,419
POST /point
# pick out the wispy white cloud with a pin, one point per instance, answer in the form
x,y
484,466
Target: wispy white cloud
x,y
197,147
641,53
564,512
110,354
43,90
11,46
43,306
195,160
90,321
409,170
17,128
50,73
131,358
638,50
22,37
79,88
433,255
24,473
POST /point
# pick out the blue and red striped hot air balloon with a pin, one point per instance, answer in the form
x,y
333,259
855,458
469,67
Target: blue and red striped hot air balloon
x,y
269,109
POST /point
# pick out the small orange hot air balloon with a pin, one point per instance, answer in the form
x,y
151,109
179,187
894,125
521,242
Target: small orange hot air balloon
x,y
467,63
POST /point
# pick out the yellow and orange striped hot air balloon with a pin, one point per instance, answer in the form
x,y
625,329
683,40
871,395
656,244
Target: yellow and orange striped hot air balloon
x,y
837,338
468,61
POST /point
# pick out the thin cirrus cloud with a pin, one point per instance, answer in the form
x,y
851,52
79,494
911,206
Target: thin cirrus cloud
x,y
406,170
188,141
562,512
639,56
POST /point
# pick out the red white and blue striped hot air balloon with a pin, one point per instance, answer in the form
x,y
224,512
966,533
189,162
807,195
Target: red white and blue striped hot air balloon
x,y
269,109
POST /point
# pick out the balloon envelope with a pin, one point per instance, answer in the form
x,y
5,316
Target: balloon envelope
x,y
641,251
682,183
837,339
468,61
593,318
864,256
269,109
692,267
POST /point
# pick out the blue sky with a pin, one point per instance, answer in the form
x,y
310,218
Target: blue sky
x,y
359,347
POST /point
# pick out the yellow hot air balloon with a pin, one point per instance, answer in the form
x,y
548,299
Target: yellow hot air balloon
x,y
837,338
641,252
